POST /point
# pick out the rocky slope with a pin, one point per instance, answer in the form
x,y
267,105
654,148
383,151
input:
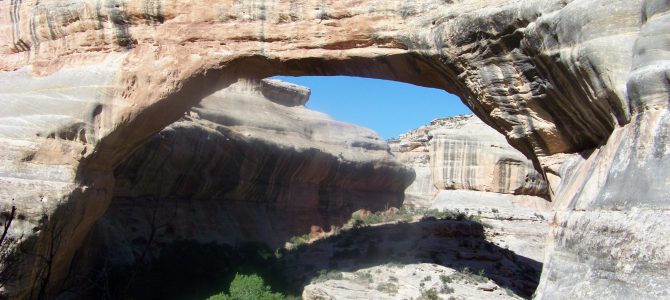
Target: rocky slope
x,y
232,172
578,86
446,257
462,153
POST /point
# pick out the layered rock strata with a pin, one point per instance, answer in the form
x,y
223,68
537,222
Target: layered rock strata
x,y
578,86
462,153
248,164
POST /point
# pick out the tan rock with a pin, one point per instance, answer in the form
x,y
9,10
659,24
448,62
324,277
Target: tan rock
x,y
585,78
230,172
463,153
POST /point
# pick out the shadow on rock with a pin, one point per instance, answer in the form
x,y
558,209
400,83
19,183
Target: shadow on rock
x,y
455,244
187,269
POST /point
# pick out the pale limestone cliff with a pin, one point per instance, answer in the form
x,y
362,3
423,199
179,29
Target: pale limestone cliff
x,y
578,86
463,153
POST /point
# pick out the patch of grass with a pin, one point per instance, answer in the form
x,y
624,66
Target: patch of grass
x,y
468,276
407,214
446,214
478,219
429,294
297,241
387,287
446,289
364,277
400,215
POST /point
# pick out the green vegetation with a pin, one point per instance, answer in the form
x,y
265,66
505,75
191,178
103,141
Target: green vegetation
x,y
187,269
248,287
406,215
297,241
469,277
364,277
387,287
430,294
446,289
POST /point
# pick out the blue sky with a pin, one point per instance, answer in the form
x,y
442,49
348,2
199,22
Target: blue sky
x,y
390,108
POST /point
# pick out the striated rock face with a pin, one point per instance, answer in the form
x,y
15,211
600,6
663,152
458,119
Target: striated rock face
x,y
232,172
580,87
463,153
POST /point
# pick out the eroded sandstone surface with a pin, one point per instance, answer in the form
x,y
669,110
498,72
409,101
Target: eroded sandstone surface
x,y
447,258
245,165
580,87
462,153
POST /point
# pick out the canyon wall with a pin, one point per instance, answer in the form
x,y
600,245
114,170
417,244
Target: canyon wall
x,y
462,153
250,163
580,87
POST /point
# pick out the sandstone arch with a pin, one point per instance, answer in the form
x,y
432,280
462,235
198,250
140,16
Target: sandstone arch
x,y
579,86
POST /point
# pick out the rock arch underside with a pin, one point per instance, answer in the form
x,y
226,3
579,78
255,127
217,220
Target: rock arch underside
x,y
581,87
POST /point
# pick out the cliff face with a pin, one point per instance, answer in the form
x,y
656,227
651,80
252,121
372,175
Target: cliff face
x,y
463,153
580,87
232,172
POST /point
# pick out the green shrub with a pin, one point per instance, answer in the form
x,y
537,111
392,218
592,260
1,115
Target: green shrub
x,y
298,241
364,277
357,223
187,269
430,294
248,287
388,288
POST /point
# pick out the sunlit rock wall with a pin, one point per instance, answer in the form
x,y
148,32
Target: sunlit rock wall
x,y
463,153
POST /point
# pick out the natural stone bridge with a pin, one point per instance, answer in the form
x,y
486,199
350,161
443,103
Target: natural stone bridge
x,y
581,87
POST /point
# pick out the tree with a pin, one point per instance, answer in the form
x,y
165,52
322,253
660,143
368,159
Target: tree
x,y
248,287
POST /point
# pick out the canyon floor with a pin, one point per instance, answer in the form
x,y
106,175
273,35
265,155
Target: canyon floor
x,y
473,252
458,249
